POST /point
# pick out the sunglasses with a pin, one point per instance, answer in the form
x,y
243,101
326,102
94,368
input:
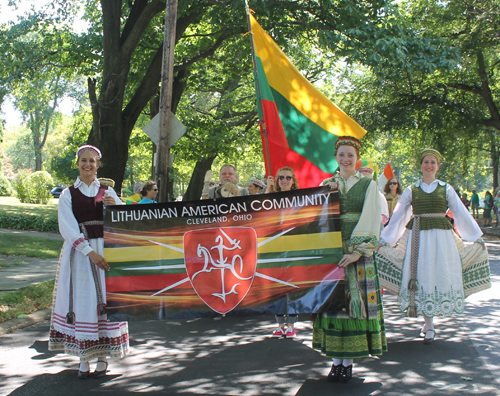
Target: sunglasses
x,y
288,178
393,183
155,189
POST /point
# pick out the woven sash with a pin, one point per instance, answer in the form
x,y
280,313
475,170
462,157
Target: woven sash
x,y
415,244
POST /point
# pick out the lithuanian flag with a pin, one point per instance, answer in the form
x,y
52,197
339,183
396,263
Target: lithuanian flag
x,y
299,125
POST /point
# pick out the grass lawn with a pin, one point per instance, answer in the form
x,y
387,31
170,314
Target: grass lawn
x,y
19,303
16,245
12,206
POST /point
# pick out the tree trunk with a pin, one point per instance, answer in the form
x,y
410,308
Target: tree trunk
x,y
35,133
154,108
195,187
494,154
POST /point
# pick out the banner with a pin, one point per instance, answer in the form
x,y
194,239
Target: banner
x,y
261,254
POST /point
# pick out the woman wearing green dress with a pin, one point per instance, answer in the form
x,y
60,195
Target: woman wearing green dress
x,y
358,331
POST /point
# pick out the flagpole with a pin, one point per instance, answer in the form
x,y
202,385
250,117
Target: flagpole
x,y
259,94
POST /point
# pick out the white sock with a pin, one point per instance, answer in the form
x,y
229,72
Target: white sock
x,y
84,366
101,364
347,362
429,325
336,362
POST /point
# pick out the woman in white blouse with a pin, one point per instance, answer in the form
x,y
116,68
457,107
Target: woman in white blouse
x,y
79,324
425,269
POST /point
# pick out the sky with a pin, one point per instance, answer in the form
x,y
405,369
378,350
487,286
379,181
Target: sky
x,y
8,13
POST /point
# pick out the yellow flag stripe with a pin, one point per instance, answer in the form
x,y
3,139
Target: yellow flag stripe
x,y
284,77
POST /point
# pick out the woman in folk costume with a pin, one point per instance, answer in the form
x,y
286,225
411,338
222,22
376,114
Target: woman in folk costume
x,y
359,331
79,325
431,270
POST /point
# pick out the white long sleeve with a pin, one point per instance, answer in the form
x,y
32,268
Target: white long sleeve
x,y
400,217
367,229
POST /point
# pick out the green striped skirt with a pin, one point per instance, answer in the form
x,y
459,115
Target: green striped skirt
x,y
338,336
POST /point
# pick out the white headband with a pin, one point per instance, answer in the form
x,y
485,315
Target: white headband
x,y
88,147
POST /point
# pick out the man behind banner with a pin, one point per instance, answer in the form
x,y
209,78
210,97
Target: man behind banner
x,y
228,184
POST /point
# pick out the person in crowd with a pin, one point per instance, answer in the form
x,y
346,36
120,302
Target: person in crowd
x,y
228,184
285,180
368,172
431,282
392,191
79,324
474,200
357,331
488,205
465,201
149,192
495,207
256,186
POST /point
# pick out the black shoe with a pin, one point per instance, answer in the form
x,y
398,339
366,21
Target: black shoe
x,y
333,375
429,337
102,373
83,374
345,374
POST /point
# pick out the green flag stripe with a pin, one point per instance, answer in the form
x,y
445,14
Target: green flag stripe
x,y
306,137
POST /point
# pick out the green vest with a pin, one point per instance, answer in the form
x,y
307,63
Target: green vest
x,y
435,202
351,206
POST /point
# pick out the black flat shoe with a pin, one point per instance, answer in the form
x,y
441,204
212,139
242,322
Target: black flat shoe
x,y
83,374
102,373
345,374
333,375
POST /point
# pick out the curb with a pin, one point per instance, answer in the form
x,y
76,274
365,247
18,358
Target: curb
x,y
12,325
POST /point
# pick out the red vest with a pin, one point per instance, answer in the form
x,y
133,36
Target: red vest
x,y
88,209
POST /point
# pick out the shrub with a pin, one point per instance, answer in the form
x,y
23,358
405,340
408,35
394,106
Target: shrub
x,y
34,188
28,222
5,186
20,185
38,188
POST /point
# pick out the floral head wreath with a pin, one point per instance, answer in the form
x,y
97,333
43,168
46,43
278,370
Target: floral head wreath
x,y
366,170
430,151
90,148
107,182
257,182
348,141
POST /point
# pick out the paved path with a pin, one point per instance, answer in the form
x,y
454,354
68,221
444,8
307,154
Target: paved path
x,y
21,271
236,356
35,234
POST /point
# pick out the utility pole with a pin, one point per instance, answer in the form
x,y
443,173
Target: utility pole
x,y
167,77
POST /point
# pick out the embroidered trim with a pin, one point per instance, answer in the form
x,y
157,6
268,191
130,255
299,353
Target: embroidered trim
x,y
358,240
78,242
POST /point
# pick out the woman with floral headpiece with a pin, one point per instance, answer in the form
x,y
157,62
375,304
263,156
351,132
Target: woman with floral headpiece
x,y
79,324
357,331
430,269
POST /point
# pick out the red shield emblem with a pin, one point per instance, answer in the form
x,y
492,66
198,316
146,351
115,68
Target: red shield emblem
x,y
221,264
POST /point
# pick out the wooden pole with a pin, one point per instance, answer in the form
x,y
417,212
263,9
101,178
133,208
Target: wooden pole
x,y
259,95
167,77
